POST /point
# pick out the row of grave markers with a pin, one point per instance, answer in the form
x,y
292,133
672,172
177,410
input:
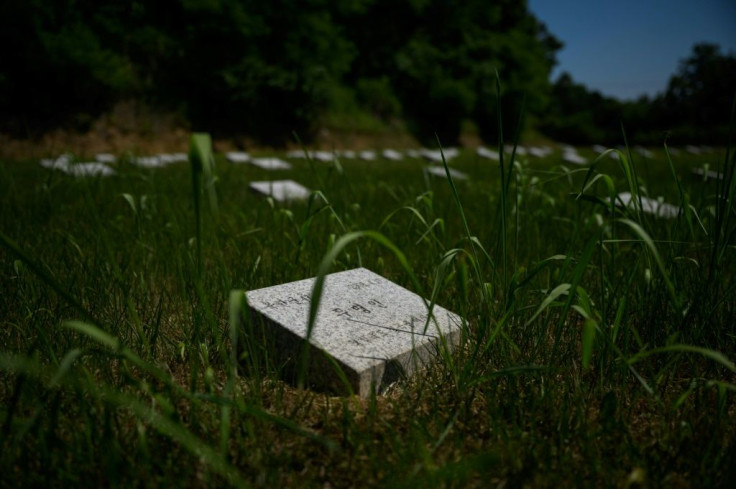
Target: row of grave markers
x,y
368,332
288,190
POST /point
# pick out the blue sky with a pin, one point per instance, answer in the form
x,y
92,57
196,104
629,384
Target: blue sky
x,y
628,48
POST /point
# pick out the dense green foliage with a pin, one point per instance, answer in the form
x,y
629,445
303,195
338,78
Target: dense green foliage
x,y
695,107
598,346
265,69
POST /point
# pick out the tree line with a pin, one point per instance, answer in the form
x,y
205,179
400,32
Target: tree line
x,y
267,69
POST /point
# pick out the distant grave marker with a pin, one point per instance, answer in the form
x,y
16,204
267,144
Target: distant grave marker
x,y
520,150
367,155
539,152
376,331
484,152
237,157
644,152
648,206
93,169
167,158
435,156
281,190
148,162
391,154
572,156
347,153
61,163
325,156
706,175
105,158
439,171
270,163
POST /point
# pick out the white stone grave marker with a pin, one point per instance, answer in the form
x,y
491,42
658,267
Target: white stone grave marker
x,y
325,156
270,163
148,162
648,206
706,174
61,163
572,156
598,148
237,157
484,152
105,158
90,170
435,156
439,171
167,158
392,154
375,330
281,190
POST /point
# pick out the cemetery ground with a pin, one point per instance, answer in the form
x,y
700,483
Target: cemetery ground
x,y
597,350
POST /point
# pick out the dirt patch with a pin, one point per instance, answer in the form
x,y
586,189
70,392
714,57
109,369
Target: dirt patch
x,y
132,127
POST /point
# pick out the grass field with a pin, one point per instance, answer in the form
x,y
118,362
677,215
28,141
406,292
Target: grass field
x,y
598,351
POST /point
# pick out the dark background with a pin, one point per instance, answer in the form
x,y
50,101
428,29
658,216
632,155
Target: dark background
x,y
265,69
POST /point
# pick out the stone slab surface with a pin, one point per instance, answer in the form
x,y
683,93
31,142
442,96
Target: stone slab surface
x,y
439,171
173,157
105,158
281,190
649,206
489,154
373,328
392,154
92,169
237,157
573,157
270,163
705,174
148,162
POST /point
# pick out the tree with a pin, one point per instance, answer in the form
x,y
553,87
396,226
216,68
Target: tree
x,y
697,103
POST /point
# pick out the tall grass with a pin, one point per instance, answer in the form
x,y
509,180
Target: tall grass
x,y
598,342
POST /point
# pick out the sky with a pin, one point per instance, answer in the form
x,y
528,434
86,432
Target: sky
x,y
628,48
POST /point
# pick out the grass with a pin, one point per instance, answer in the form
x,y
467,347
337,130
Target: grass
x,y
599,347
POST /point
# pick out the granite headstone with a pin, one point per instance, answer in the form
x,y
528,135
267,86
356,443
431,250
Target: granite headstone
x,y
374,330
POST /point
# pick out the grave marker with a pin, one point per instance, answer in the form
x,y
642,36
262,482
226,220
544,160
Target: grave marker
x,y
439,171
706,175
392,154
237,157
148,162
61,163
572,156
167,158
90,170
435,156
281,190
484,152
105,158
648,206
375,330
270,163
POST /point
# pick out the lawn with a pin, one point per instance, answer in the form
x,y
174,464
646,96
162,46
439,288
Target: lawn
x,y
598,347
